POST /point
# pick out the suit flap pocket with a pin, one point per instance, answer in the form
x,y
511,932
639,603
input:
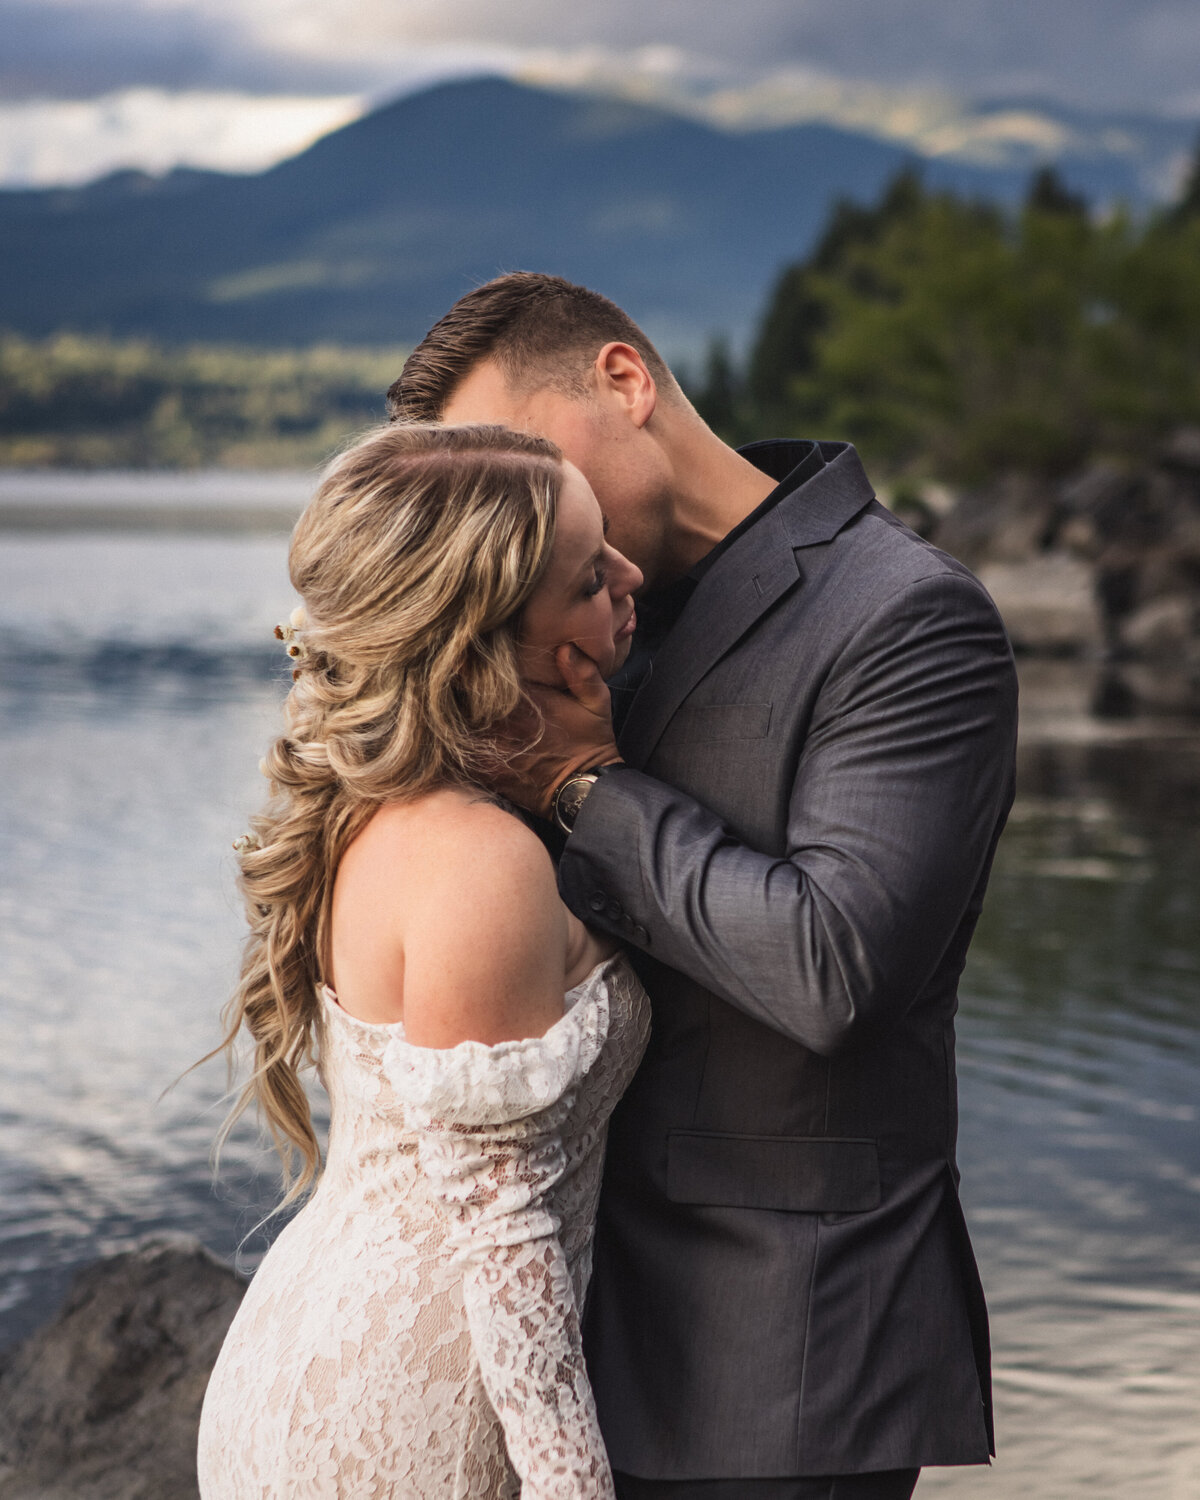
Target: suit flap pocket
x,y
803,1174
722,721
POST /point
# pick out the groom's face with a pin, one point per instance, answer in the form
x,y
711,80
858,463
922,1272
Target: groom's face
x,y
623,466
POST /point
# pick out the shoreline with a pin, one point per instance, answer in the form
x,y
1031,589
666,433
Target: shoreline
x,y
209,501
222,520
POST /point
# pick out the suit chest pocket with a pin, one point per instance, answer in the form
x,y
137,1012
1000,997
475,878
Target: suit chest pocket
x,y
726,757
712,722
792,1174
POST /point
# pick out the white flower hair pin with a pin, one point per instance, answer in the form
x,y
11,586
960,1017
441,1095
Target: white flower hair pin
x,y
289,634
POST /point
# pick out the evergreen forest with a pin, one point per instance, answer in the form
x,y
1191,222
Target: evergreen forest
x,y
951,341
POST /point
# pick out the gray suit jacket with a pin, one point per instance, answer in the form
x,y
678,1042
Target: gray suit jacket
x,y
822,763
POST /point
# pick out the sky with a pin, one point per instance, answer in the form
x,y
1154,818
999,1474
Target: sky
x,y
90,85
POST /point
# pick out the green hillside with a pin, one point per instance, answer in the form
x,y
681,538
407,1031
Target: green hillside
x,y
101,403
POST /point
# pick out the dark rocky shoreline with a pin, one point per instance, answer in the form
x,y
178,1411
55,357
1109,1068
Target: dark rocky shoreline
x,y
1102,565
103,1403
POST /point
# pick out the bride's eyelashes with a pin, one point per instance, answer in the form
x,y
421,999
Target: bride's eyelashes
x,y
598,581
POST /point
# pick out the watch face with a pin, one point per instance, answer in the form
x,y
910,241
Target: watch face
x,y
571,798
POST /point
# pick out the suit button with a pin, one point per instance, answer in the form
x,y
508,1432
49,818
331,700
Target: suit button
x,y
597,900
640,935
614,911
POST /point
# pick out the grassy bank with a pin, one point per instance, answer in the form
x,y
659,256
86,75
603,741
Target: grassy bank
x,y
68,401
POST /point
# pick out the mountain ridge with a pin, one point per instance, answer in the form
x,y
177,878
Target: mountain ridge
x,y
370,233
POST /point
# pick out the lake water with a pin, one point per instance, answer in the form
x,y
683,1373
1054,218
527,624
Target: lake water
x,y
138,686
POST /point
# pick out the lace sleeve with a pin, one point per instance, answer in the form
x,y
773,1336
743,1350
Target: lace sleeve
x,y
490,1122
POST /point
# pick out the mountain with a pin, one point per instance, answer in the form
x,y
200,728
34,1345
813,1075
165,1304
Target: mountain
x,y
372,232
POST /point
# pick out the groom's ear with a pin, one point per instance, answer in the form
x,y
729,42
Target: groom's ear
x,y
625,382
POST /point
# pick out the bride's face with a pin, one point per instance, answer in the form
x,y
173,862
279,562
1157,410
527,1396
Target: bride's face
x,y
586,593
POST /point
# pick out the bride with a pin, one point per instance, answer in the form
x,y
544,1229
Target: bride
x,y
414,1331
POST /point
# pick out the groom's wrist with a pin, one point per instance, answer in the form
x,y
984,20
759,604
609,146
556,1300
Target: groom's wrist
x,y
574,789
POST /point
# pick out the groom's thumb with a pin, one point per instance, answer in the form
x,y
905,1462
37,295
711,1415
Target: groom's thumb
x,y
582,676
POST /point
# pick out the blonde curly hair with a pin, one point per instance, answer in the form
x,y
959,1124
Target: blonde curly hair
x,y
414,561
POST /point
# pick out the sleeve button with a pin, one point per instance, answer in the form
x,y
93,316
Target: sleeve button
x,y
597,901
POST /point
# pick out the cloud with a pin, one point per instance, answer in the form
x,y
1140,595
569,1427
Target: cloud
x,y
88,85
83,49
1138,54
77,50
1103,53
44,142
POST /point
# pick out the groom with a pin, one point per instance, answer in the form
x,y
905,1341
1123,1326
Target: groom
x,y
793,831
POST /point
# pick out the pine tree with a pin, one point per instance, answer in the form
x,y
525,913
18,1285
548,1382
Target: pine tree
x,y
1049,194
1187,206
718,398
797,315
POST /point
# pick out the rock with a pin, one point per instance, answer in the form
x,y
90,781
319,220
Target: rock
x,y
1096,498
1104,562
1080,535
104,1402
921,507
1165,626
1048,603
1160,687
1100,492
1009,521
1182,449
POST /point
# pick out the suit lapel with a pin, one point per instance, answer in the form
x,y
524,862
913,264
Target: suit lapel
x,y
817,511
757,570
727,601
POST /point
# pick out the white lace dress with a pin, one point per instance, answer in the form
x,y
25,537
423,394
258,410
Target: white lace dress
x,y
414,1331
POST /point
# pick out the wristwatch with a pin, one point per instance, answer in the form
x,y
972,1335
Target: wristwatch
x,y
573,792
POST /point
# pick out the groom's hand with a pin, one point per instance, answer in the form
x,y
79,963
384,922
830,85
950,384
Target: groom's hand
x,y
578,734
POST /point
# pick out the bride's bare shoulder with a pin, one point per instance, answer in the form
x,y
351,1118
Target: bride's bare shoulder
x,y
449,829
471,897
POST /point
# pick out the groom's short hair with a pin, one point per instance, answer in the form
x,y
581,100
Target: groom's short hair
x,y
542,330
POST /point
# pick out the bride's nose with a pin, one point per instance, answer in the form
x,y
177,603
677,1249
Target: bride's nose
x,y
626,577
